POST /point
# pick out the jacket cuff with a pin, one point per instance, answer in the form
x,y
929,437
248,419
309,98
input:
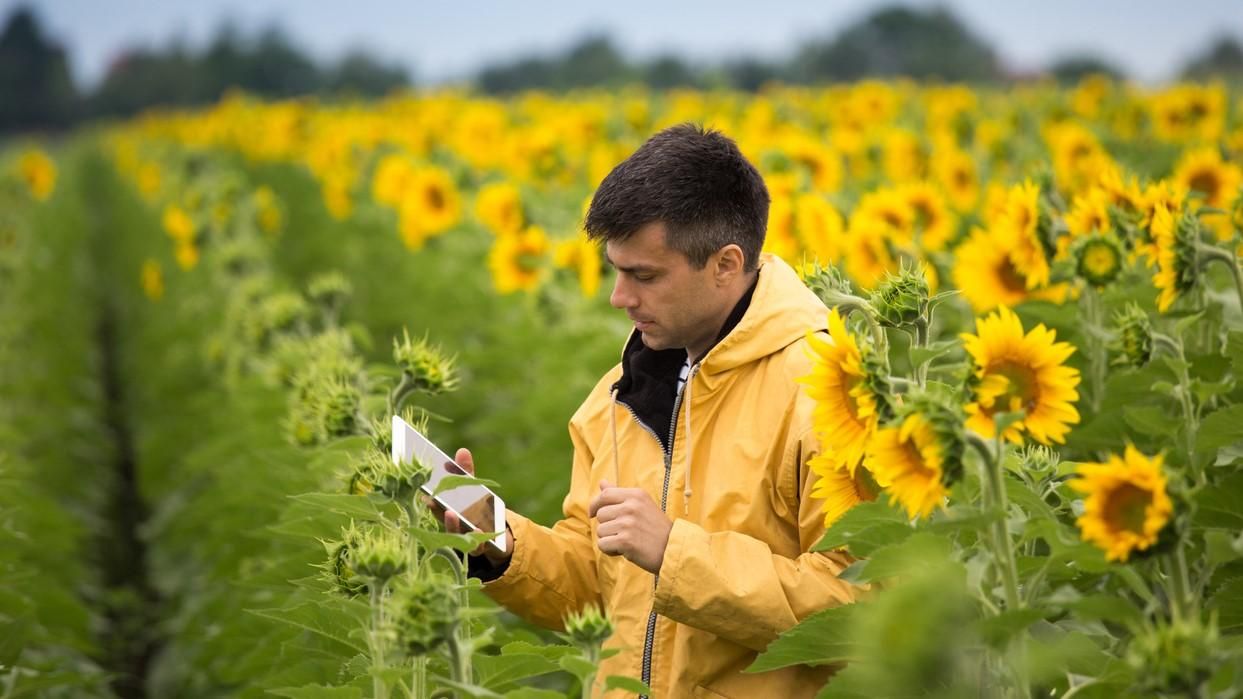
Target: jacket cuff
x,y
683,536
482,568
496,578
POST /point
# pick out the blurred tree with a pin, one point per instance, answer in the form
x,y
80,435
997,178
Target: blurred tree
x,y
751,74
900,42
668,71
362,75
1072,69
1223,60
35,88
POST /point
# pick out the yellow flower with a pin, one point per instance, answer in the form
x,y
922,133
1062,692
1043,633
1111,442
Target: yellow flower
x,y
955,171
1099,259
336,190
38,172
1019,227
1088,213
499,206
187,255
1018,371
867,252
268,210
823,165
985,272
178,225
582,256
149,179
1126,505
908,460
779,238
845,415
1175,253
429,206
820,228
1213,182
152,280
392,176
934,223
904,156
839,489
517,260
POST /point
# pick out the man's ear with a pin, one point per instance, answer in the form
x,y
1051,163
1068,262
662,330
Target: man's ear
x,y
729,263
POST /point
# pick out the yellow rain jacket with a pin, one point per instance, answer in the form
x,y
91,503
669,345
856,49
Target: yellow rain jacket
x,y
735,483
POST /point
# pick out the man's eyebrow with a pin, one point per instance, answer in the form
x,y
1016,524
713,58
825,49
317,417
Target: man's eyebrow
x,y
629,270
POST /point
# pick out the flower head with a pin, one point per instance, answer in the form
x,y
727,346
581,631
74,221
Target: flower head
x,y
846,411
1126,505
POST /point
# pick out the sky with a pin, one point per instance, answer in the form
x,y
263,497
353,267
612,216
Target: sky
x,y
446,41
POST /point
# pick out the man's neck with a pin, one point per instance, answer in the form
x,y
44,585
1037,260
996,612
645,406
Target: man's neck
x,y
742,289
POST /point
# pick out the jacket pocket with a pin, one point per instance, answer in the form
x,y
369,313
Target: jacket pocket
x,y
702,692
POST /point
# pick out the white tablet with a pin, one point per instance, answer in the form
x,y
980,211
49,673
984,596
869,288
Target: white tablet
x,y
477,506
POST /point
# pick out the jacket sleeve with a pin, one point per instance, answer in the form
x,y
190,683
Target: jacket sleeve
x,y
733,585
553,569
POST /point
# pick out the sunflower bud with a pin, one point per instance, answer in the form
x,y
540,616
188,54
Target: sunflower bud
x,y
1038,459
339,568
427,614
1175,659
378,555
377,473
329,291
1098,259
829,283
240,256
425,367
1134,340
588,628
902,300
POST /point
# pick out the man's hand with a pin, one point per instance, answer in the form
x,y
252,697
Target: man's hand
x,y
454,526
631,525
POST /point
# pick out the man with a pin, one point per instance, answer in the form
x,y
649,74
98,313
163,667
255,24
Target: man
x,y
689,516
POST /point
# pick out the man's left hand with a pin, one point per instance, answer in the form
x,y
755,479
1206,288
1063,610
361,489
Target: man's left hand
x,y
631,524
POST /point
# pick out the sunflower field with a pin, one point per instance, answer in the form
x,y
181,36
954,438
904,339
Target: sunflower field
x,y
1030,399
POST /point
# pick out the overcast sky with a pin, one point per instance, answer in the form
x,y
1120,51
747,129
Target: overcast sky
x,y
441,41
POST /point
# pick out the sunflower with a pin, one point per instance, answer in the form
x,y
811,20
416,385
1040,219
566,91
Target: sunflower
x,y
1174,240
38,172
955,171
582,256
867,253
178,225
846,414
904,156
429,206
392,176
889,209
908,459
1213,182
779,238
1162,193
152,280
499,206
839,488
517,260
1126,505
1019,226
1089,213
985,272
933,220
1098,259
1017,371
820,228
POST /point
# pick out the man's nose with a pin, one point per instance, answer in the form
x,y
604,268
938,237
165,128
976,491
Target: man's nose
x,y
621,296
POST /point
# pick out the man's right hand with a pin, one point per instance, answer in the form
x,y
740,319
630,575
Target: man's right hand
x,y
454,526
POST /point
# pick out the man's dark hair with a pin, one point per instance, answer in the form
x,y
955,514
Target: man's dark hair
x,y
694,181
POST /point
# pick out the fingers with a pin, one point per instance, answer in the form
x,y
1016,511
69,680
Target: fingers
x,y
464,459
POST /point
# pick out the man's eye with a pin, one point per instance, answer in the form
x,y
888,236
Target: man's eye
x,y
644,277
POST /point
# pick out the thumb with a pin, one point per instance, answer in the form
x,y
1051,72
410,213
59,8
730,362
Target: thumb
x,y
465,460
605,485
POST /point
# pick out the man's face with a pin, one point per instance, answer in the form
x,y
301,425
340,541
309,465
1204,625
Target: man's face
x,y
671,303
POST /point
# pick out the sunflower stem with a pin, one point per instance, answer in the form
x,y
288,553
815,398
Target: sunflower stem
x,y
921,340
460,641
375,642
1180,586
1094,322
1175,348
1212,253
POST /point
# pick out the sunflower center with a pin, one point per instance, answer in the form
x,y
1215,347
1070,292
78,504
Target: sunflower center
x,y
1126,508
962,178
435,198
1206,181
1021,387
1010,277
1099,260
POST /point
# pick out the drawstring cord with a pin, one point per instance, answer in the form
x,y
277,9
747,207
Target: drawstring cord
x,y
690,445
613,428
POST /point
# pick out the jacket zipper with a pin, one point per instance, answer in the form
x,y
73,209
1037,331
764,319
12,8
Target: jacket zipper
x,y
650,638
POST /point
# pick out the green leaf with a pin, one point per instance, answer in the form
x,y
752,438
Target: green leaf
x,y
1150,420
1228,601
578,666
999,630
1002,421
356,506
865,528
465,543
318,691
916,552
923,355
1106,608
1234,350
533,693
455,481
1221,547
331,622
519,661
1221,506
820,639
626,684
1221,428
